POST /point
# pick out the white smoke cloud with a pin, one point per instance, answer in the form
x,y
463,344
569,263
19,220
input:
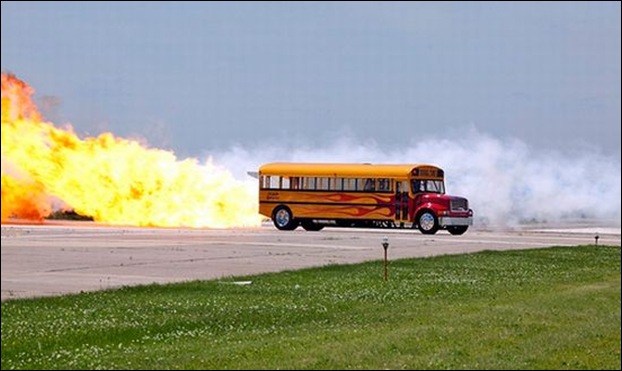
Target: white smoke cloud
x,y
507,183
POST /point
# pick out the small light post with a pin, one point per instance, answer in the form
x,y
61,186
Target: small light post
x,y
385,245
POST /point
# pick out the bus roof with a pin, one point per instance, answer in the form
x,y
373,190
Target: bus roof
x,y
333,170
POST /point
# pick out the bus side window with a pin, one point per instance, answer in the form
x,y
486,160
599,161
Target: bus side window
x,y
285,182
369,184
384,185
308,183
275,182
322,184
294,182
349,184
360,184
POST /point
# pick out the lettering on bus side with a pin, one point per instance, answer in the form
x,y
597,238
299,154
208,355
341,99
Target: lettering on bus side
x,y
272,196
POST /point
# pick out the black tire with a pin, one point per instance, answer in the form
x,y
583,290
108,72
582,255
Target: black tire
x,y
310,225
427,222
283,219
457,230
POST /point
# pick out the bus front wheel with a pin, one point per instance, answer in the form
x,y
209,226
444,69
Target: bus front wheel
x,y
428,222
283,219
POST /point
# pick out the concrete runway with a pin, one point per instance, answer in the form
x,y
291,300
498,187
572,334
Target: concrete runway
x,y
59,258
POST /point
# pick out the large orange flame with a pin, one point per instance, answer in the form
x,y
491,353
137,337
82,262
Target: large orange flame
x,y
112,179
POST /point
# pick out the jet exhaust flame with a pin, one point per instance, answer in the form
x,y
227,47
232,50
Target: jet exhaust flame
x,y
112,179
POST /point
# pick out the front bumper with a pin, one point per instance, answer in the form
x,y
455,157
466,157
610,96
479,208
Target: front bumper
x,y
446,221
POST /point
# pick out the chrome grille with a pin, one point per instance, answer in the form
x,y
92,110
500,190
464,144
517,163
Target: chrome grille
x,y
459,204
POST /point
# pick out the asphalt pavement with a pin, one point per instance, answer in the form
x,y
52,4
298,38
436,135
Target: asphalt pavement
x,y
70,257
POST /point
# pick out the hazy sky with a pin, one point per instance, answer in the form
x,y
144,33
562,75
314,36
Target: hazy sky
x,y
198,77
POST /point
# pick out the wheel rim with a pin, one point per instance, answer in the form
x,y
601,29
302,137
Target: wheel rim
x,y
282,218
426,222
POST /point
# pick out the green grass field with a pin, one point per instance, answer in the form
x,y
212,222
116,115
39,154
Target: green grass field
x,y
554,308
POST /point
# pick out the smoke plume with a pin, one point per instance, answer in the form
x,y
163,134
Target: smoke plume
x,y
507,182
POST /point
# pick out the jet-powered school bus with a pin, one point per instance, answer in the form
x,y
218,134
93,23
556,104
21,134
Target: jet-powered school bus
x,y
360,195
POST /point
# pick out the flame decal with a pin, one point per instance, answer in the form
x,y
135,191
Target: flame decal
x,y
325,211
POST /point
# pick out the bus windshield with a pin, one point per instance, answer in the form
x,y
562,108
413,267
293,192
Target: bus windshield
x,y
429,186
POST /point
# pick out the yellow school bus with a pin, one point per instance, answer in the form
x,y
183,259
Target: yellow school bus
x,y
316,195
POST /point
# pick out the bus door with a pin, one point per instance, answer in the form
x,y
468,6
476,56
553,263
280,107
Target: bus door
x,y
401,200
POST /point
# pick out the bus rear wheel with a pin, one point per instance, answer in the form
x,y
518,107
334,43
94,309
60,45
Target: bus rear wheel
x,y
428,222
283,219
457,229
